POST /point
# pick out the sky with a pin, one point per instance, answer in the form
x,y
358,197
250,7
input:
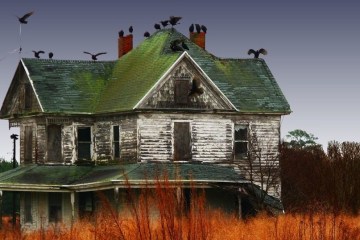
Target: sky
x,y
313,47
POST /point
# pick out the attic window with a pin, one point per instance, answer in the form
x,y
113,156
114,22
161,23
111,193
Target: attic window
x,y
241,141
181,91
28,97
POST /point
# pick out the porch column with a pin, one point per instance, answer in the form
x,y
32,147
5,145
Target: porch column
x,y
239,205
72,200
1,194
116,199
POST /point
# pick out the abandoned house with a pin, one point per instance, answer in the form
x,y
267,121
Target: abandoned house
x,y
167,105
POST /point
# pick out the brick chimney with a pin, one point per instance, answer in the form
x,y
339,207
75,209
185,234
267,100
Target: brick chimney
x,y
198,38
125,44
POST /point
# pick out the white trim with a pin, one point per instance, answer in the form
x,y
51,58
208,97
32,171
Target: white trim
x,y
32,84
160,80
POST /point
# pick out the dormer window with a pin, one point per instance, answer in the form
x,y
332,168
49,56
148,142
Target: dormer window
x,y
181,91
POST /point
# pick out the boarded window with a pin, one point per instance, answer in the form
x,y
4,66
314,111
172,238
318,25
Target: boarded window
x,y
241,141
28,97
54,143
182,141
181,91
84,143
55,207
86,204
116,141
28,144
27,207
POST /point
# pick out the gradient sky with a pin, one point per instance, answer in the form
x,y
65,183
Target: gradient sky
x,y
313,46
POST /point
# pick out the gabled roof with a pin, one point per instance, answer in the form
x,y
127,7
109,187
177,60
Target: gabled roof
x,y
115,86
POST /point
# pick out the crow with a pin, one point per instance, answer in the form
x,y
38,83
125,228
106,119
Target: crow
x,y
195,88
198,28
147,34
184,46
258,52
25,17
51,55
94,56
157,26
121,33
203,28
164,23
37,53
174,45
131,29
191,28
174,20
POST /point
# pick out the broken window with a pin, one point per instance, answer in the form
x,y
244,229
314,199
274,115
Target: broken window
x,y
54,143
55,207
182,141
28,97
241,141
84,143
181,91
27,207
116,141
28,144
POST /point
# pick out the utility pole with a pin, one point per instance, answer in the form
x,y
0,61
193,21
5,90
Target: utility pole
x,y
14,137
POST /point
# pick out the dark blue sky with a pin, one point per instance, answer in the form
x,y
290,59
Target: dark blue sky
x,y
313,47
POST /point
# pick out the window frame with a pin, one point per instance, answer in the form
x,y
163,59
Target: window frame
x,y
116,143
241,141
89,142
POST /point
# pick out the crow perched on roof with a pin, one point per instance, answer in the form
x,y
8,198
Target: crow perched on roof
x,y
51,55
131,29
121,33
203,28
146,34
195,88
257,52
37,53
198,28
164,23
157,26
174,20
94,56
25,17
191,28
176,47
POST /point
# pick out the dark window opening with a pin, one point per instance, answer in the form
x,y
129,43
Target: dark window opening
x,y
27,207
181,91
86,204
116,141
28,144
55,207
54,143
28,97
241,141
84,143
182,141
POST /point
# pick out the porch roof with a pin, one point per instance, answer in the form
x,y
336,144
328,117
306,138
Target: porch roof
x,y
65,178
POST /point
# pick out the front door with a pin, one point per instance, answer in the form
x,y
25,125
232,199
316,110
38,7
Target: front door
x,y
182,141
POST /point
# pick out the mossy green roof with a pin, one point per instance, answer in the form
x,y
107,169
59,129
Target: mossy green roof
x,y
115,86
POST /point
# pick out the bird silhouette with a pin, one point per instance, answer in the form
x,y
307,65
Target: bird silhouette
x,y
164,23
174,20
94,56
198,28
37,53
146,34
25,17
176,47
51,55
257,52
157,26
196,90
203,28
184,46
131,29
191,28
121,33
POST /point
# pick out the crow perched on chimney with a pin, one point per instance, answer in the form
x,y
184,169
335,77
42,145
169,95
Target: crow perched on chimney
x,y
203,28
257,52
37,53
121,33
164,23
157,26
174,20
23,19
196,90
146,34
51,55
94,56
198,28
131,29
191,28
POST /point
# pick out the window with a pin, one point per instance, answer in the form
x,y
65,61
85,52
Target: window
x,y
55,207
86,204
84,143
28,144
28,97
116,141
182,141
54,143
181,91
27,207
241,141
